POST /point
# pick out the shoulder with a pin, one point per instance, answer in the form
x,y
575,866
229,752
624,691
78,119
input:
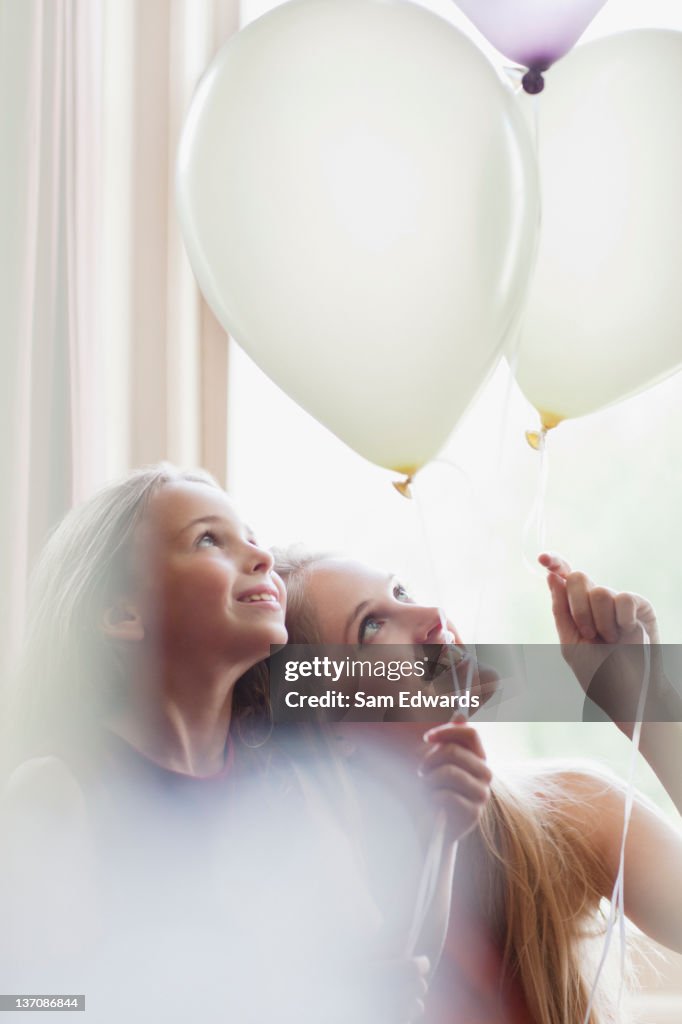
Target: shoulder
x,y
564,778
578,797
591,802
583,789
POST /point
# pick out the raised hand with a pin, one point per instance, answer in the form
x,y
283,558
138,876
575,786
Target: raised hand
x,y
585,613
601,633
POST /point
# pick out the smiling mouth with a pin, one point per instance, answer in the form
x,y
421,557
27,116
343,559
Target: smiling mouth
x,y
262,598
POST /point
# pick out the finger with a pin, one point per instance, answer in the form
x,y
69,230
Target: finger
x,y
554,563
451,779
626,612
603,608
450,753
456,732
646,616
563,620
578,586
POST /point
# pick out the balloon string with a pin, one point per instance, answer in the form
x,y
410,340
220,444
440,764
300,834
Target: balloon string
x,y
453,467
535,529
452,664
484,542
512,359
498,464
536,101
429,876
428,882
617,909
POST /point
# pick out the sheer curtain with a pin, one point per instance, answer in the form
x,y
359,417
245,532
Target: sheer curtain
x,y
167,355
108,356
49,136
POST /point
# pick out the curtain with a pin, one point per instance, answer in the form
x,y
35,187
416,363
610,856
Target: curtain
x,y
49,132
108,356
176,378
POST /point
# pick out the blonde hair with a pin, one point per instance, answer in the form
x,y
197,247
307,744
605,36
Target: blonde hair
x,y
538,877
542,881
70,675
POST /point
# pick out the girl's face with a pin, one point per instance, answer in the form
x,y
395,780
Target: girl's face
x,y
356,604
200,583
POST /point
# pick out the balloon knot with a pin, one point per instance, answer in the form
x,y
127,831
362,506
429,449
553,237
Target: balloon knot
x,y
536,438
533,82
403,487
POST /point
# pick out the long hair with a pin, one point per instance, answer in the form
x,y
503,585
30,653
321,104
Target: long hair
x,y
538,878
541,880
70,675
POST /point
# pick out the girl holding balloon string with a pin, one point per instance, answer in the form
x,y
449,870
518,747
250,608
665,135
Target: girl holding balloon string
x,y
146,816
544,843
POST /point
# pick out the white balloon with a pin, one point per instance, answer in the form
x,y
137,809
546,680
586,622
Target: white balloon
x,y
357,191
604,316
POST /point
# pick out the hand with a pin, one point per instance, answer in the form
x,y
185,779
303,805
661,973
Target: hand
x,y
584,613
601,634
456,772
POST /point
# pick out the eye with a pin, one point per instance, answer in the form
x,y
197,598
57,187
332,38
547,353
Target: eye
x,y
400,594
369,627
207,539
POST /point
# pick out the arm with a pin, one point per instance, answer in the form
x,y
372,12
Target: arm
x,y
601,633
653,854
661,745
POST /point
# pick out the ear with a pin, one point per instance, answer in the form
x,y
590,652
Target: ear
x,y
122,622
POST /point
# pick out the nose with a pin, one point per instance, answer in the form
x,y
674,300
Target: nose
x,y
426,623
259,559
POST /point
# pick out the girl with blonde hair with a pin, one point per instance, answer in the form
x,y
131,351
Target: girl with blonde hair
x,y
134,572
149,604
545,849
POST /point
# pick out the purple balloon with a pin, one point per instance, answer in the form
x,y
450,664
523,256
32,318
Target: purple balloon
x,y
533,33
